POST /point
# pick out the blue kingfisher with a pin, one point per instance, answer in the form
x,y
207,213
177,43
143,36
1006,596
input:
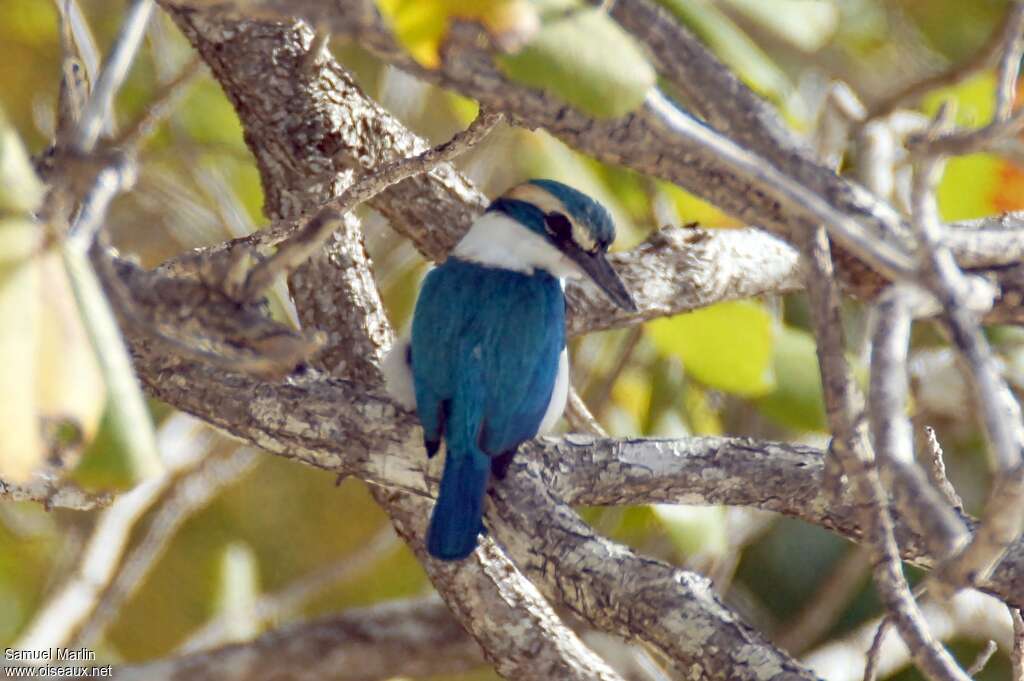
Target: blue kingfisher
x,y
486,366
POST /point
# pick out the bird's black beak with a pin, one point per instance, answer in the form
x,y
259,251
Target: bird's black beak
x,y
599,270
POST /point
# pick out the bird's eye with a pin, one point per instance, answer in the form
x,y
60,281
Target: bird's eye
x,y
558,226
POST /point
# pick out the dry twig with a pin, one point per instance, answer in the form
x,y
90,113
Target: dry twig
x,y
115,68
166,99
188,494
854,457
181,445
1017,654
982,659
1001,524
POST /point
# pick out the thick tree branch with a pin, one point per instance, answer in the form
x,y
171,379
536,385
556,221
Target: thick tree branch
x,y
305,158
641,599
343,427
491,598
644,140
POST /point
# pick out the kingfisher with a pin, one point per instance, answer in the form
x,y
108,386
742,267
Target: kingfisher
x,y
486,366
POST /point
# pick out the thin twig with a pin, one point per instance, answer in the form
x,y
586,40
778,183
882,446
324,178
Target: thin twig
x,y
165,100
1017,655
580,418
52,492
884,625
873,655
182,444
1001,522
111,180
113,74
982,659
853,455
78,29
74,82
1005,123
188,494
308,240
969,141
840,111
275,607
969,616
937,470
892,435
1008,69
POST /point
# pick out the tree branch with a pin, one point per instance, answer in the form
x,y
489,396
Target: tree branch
x,y
309,417
645,140
484,594
46,488
399,639
641,599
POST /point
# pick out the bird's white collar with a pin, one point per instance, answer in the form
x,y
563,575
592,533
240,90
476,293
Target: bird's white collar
x,y
496,240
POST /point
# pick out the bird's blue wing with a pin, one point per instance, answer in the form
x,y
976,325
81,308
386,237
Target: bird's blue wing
x,y
438,321
523,337
505,327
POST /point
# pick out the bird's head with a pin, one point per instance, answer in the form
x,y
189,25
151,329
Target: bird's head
x,y
575,225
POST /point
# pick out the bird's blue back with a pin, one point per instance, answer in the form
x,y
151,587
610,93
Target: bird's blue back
x,y
485,351
499,334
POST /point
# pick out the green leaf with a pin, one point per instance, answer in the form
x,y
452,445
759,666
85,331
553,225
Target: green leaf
x,y
796,401
588,60
970,184
128,416
967,187
727,346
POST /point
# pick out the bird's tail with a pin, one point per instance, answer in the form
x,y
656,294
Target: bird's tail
x,y
457,517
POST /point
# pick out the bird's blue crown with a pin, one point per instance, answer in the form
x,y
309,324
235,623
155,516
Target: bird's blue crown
x,y
558,212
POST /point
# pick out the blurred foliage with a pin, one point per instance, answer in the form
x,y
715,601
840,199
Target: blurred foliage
x,y
569,56
726,346
733,45
421,26
558,45
742,368
21,446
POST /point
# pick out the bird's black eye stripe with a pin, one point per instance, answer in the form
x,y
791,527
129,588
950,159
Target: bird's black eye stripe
x,y
558,226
